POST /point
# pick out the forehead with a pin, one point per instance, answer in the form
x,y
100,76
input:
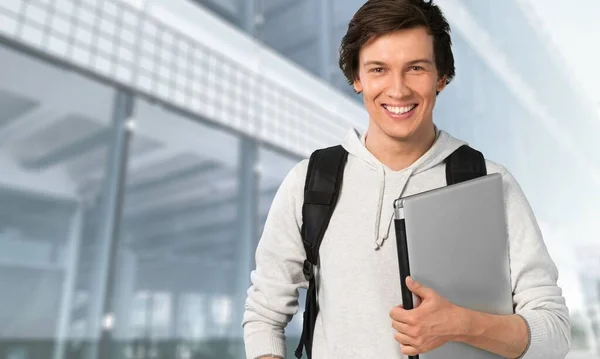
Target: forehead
x,y
399,47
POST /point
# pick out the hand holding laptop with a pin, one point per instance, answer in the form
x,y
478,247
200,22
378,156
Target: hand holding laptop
x,y
433,323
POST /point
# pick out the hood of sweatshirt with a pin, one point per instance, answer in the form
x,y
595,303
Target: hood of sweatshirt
x,y
442,147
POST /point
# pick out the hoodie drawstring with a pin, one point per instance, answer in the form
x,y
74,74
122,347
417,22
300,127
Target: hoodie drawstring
x,y
355,144
379,239
381,175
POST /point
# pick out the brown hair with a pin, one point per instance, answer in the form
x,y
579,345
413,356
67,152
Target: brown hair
x,y
380,17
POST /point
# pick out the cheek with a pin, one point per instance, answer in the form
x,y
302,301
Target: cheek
x,y
426,90
422,84
373,88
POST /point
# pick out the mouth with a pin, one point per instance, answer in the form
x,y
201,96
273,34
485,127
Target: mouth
x,y
400,112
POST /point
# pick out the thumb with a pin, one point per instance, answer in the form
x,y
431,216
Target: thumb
x,y
417,288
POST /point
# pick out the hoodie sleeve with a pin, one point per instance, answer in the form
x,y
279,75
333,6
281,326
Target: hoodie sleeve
x,y
273,295
536,295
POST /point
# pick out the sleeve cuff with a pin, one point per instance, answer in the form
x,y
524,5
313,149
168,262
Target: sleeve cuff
x,y
536,342
264,345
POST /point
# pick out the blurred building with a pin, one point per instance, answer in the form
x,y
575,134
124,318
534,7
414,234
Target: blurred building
x,y
589,268
141,143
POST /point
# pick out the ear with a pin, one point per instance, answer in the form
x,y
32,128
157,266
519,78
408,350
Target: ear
x,y
441,84
357,85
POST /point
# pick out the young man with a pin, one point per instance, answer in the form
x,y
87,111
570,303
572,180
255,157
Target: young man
x,y
397,53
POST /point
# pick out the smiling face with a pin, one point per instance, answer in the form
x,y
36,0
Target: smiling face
x,y
399,82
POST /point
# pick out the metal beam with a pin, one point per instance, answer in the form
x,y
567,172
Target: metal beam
x,y
225,226
190,221
191,242
124,293
42,265
176,314
186,278
248,219
220,11
36,200
161,217
192,245
28,122
325,10
185,173
198,189
13,108
101,306
156,214
165,260
192,190
81,146
25,216
221,250
247,9
69,283
164,231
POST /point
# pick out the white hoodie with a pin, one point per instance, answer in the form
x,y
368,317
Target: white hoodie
x,y
358,274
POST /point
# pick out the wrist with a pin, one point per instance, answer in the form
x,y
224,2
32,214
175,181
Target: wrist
x,y
467,325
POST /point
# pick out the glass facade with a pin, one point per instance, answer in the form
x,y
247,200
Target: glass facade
x,y
113,220
138,164
57,132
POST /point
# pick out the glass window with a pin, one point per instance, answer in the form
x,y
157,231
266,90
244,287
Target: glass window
x,y
228,10
177,274
55,132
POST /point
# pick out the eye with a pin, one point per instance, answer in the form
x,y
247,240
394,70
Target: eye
x,y
415,68
377,70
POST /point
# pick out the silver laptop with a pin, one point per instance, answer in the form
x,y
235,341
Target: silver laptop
x,y
455,241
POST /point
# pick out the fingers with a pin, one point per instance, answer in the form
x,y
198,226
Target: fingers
x,y
408,344
410,350
402,315
417,288
400,327
403,338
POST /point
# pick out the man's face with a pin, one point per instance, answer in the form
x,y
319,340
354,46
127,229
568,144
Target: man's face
x,y
399,80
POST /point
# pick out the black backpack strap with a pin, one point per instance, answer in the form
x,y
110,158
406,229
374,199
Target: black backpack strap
x,y
321,191
464,164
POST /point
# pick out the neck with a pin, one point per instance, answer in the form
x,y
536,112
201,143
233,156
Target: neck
x,y
398,154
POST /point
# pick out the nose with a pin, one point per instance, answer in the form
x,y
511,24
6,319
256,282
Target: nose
x,y
399,87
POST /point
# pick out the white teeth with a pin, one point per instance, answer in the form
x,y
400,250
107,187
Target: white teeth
x,y
399,110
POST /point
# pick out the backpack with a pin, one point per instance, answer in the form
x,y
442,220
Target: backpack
x,y
321,190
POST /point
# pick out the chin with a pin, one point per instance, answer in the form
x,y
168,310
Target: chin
x,y
402,136
403,132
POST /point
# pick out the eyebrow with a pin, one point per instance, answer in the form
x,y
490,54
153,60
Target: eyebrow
x,y
376,63
413,62
420,61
